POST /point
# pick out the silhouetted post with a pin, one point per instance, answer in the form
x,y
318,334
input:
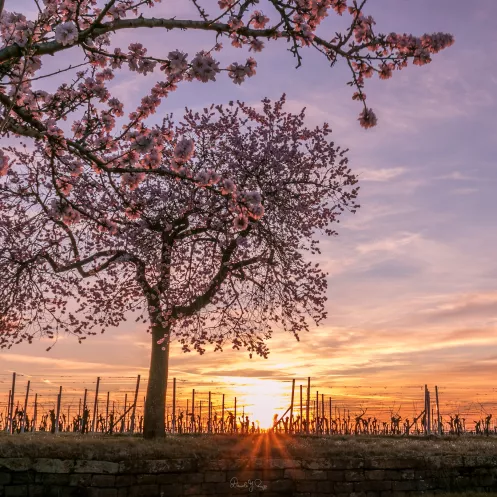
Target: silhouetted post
x,y
59,397
7,414
329,422
79,407
322,407
209,422
308,404
193,411
84,420
428,403
236,424
107,412
125,413
222,416
95,406
134,405
301,410
439,426
68,418
291,406
33,426
174,407
25,407
11,413
200,418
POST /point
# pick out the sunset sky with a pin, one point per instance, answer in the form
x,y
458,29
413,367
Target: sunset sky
x,y
412,295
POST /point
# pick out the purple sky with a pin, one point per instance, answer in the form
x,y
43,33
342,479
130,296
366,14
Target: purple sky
x,y
412,286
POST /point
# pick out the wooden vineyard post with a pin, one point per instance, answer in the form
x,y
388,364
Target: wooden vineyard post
x,y
193,411
235,424
222,416
330,420
33,427
7,426
25,407
134,405
79,407
173,426
11,413
322,414
125,412
316,412
95,406
107,412
301,410
308,404
439,425
210,414
84,421
291,406
200,418
59,397
427,411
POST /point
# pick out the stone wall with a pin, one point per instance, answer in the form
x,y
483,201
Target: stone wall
x,y
368,477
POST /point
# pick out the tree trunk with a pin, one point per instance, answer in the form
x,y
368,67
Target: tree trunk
x,y
155,403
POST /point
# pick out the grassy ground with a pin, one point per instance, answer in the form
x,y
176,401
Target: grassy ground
x,y
120,447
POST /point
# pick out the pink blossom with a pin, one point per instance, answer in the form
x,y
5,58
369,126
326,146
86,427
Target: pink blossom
x,y
177,62
259,20
204,67
256,45
367,118
4,163
234,23
240,222
228,186
183,150
66,33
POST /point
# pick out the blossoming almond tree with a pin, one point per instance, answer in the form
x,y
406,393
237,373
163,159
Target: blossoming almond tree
x,y
80,254
83,119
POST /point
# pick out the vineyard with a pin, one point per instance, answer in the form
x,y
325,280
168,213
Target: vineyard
x,y
115,405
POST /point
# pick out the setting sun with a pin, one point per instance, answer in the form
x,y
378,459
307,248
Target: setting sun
x,y
262,399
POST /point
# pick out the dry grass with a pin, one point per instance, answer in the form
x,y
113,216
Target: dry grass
x,y
121,447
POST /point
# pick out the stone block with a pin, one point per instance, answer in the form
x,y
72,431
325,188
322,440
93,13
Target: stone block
x,y
5,478
146,479
59,479
35,491
214,476
144,491
404,486
316,474
105,467
305,486
324,486
285,486
139,466
23,477
102,492
15,463
295,474
173,490
376,486
81,480
125,480
103,481
374,474
44,465
354,475
16,491
335,475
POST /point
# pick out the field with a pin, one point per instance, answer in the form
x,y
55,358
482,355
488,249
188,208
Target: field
x,y
119,447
